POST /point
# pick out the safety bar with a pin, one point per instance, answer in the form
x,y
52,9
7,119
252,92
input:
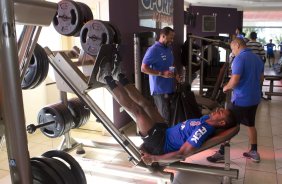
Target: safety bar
x,y
212,170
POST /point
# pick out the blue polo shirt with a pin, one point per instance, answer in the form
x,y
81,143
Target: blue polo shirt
x,y
250,67
160,58
269,48
194,131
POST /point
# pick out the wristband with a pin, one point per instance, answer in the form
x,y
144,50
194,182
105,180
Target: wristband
x,y
160,73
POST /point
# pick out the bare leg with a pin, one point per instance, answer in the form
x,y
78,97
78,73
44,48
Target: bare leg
x,y
144,122
148,107
252,135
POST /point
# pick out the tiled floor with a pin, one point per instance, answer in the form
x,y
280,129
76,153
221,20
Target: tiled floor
x,y
268,171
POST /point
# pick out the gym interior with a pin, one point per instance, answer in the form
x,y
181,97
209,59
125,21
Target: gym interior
x,y
58,124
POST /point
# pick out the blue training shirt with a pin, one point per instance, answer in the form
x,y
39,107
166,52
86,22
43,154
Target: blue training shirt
x,y
269,48
160,58
250,67
194,131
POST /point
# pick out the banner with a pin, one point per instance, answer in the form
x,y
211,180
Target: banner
x,y
156,13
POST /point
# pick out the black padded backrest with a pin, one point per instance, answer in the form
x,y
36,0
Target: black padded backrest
x,y
219,137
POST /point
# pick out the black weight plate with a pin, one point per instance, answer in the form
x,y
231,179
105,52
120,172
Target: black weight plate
x,y
79,112
44,62
38,176
31,75
66,114
40,68
61,169
117,34
86,14
75,111
75,168
93,35
43,173
48,114
68,19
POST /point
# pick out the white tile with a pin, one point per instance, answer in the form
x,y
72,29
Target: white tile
x,y
258,177
267,163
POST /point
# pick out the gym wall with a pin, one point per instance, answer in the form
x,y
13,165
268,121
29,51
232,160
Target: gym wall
x,y
227,19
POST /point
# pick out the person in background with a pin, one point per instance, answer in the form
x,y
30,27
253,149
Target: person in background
x,y
270,52
239,33
257,48
245,81
280,48
156,63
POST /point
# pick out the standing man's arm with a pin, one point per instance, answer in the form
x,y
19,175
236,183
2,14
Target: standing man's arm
x,y
147,70
232,83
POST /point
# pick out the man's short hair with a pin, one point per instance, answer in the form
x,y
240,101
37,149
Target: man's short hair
x,y
240,41
253,35
230,120
239,29
166,31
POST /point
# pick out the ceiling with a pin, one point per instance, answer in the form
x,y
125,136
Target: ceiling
x,y
245,5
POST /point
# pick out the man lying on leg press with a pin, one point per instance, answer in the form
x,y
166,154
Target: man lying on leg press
x,y
161,143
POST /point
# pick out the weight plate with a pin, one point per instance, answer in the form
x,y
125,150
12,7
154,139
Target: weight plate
x,y
43,59
86,15
117,34
68,19
32,73
48,114
74,166
42,173
79,112
66,114
93,35
61,169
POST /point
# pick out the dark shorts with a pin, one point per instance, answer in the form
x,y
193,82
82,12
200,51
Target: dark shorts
x,y
244,115
154,141
270,55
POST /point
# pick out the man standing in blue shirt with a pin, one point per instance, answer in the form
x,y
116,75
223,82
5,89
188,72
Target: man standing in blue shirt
x,y
156,63
247,75
270,52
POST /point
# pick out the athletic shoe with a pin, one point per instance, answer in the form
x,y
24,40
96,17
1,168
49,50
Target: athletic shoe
x,y
253,155
105,69
216,158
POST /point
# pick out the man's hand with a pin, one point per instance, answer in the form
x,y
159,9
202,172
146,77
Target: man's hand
x,y
178,78
225,89
147,158
168,74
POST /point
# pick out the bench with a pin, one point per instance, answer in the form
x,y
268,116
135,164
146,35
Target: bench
x,y
271,75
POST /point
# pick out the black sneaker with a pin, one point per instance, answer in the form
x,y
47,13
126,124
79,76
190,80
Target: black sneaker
x,y
105,69
216,158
